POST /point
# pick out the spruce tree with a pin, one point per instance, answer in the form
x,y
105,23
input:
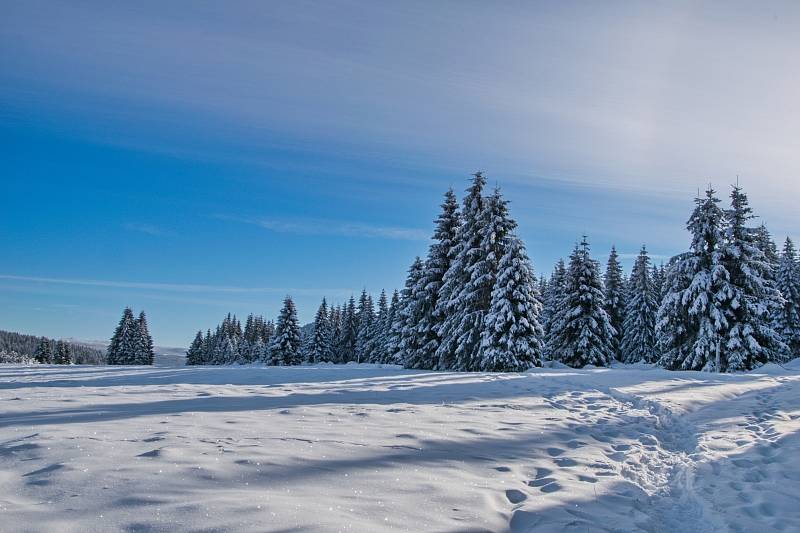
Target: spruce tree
x,y
581,333
511,337
459,332
285,348
639,333
552,303
63,353
692,319
194,355
44,352
408,340
430,283
787,317
391,346
146,355
122,349
366,317
349,336
752,300
321,347
614,282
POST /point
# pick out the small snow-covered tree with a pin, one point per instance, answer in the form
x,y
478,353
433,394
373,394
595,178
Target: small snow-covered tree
x,y
787,317
194,355
122,350
366,318
63,353
614,281
552,303
44,351
349,334
146,352
581,332
321,345
511,338
409,312
285,348
639,333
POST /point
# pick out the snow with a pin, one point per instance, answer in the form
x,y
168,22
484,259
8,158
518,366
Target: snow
x,y
379,448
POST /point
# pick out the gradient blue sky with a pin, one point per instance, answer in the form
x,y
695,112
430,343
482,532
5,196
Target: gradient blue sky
x,y
194,158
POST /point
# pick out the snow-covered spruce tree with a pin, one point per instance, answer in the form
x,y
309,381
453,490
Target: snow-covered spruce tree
x,y
430,283
377,342
657,275
321,346
391,347
751,296
512,336
366,317
349,335
459,333
122,349
787,318
581,332
146,355
194,355
639,333
285,348
552,303
409,312
614,281
336,333
763,239
691,319
63,353
496,226
44,351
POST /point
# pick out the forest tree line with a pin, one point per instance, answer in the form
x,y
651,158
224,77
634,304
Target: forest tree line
x,y
730,302
21,348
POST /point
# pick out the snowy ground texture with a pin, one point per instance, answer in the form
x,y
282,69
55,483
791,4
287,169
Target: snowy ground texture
x,y
362,448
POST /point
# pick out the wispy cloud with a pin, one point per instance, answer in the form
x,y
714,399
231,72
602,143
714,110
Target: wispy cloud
x,y
315,226
148,229
173,287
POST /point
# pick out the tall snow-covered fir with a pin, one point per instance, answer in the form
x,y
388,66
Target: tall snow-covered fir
x,y
752,300
787,316
691,319
639,332
285,347
459,332
581,332
615,294
512,334
131,343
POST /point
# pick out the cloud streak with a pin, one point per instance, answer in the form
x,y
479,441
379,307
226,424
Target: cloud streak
x,y
315,226
148,229
173,287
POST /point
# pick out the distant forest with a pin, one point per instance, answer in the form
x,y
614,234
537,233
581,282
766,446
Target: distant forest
x,y
26,345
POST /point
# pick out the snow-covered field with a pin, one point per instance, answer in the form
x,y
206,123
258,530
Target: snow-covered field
x,y
361,448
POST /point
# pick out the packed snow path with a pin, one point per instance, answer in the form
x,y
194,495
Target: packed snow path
x,y
362,448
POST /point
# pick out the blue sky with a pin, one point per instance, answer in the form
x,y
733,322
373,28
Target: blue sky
x,y
195,158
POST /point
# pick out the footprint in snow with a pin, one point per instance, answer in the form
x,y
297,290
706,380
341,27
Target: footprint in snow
x,y
515,496
565,462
